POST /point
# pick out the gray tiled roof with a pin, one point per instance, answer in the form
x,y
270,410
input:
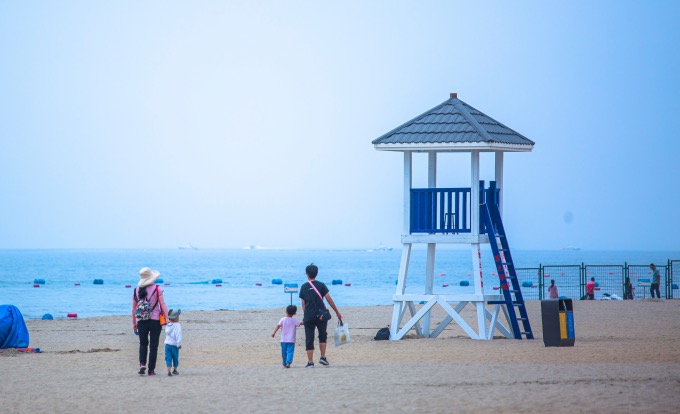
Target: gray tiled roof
x,y
453,122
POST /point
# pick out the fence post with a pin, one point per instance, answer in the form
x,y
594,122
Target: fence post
x,y
669,287
541,282
583,278
625,276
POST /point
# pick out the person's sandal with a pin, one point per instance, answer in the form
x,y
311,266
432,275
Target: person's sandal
x,y
169,374
174,372
142,370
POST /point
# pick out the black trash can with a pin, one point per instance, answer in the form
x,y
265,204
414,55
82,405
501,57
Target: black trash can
x,y
558,322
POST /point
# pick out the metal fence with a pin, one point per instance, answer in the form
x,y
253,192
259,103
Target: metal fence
x,y
673,279
528,279
610,280
568,279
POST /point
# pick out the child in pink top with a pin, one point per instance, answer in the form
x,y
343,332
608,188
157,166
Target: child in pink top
x,y
288,326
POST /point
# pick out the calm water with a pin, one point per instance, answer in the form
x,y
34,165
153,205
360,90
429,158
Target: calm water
x,y
372,275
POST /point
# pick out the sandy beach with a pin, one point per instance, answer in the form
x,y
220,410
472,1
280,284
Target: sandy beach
x,y
626,359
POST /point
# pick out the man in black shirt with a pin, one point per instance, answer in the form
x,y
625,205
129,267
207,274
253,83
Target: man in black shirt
x,y
311,297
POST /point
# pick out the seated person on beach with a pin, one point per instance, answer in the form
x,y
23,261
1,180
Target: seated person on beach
x,y
628,289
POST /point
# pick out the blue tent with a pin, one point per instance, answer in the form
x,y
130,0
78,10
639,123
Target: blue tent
x,y
13,331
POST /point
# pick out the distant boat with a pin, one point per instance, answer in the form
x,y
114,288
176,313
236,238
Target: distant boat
x,y
188,247
571,248
380,248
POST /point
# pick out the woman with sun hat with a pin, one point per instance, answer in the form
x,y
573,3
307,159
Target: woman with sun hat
x,y
147,306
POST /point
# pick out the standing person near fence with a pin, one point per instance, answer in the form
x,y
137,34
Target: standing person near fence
x,y
628,290
590,289
312,294
656,281
552,290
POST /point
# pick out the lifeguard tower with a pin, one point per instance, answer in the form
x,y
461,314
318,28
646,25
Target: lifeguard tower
x,y
471,216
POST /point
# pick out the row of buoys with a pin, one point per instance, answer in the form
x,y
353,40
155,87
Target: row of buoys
x,y
217,282
49,317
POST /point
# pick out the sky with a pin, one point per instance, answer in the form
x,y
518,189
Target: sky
x,y
223,123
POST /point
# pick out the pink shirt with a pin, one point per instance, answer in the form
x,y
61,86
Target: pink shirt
x,y
288,325
553,292
154,298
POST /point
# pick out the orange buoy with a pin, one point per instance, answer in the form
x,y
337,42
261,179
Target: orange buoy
x,y
36,285
495,288
166,284
127,286
258,284
348,284
76,284
218,284
445,285
71,315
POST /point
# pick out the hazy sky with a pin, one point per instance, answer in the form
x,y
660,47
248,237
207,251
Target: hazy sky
x,y
224,124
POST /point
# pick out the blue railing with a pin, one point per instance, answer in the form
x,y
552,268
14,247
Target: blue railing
x,y
440,210
443,210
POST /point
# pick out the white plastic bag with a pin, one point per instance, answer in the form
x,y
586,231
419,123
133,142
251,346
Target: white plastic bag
x,y
341,333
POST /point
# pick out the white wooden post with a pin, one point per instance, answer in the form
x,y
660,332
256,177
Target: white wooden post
x,y
431,247
474,223
408,180
499,179
400,305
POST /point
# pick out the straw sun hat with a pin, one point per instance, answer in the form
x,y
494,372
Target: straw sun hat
x,y
147,276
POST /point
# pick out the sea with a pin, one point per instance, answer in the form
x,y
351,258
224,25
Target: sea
x,y
237,279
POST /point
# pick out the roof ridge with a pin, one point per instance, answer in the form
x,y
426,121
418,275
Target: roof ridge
x,y
512,131
482,131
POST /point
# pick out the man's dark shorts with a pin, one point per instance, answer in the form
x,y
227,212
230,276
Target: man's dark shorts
x,y
310,327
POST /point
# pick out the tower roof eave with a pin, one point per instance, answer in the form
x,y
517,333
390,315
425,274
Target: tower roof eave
x,y
454,147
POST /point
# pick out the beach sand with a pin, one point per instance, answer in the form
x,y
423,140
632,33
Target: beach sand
x,y
626,359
